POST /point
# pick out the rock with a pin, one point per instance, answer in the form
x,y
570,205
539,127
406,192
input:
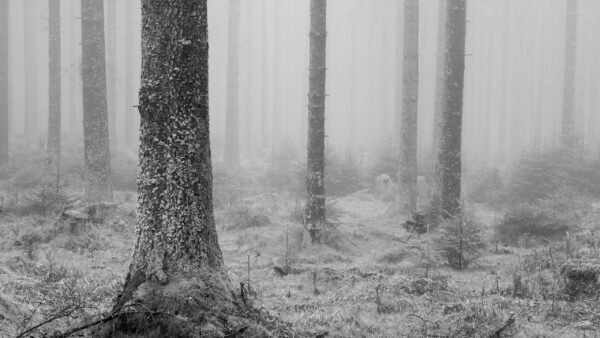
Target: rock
x,y
384,188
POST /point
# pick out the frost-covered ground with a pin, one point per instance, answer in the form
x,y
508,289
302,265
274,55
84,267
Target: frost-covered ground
x,y
369,281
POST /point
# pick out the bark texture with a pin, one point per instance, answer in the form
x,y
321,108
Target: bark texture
x,y
95,114
570,136
176,280
3,81
315,206
449,157
407,172
54,89
232,129
440,95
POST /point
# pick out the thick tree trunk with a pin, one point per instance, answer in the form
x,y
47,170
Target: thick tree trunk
x,y
449,157
4,27
232,129
276,136
407,172
315,206
177,285
570,137
54,94
95,115
399,73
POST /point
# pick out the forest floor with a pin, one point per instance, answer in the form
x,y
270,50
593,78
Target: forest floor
x,y
370,281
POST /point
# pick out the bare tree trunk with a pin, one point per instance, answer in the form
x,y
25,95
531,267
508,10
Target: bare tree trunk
x,y
449,158
440,72
570,137
54,95
232,130
75,105
264,91
31,87
4,28
399,71
407,171
177,269
95,115
315,206
111,70
130,130
440,95
276,137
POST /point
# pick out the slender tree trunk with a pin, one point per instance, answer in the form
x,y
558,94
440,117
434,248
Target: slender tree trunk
x,y
130,130
449,158
440,74
31,87
95,115
54,95
177,270
264,91
75,95
232,130
4,130
570,137
111,70
315,206
276,136
407,172
399,73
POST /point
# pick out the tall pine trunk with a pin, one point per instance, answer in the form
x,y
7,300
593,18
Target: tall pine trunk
x,y
570,136
315,206
449,157
30,77
4,27
440,97
111,70
95,115
54,89
177,270
232,129
407,172
264,90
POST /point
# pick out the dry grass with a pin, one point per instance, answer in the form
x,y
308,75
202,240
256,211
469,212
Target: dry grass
x,y
374,287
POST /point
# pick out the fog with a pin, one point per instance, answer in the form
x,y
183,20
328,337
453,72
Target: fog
x,y
513,84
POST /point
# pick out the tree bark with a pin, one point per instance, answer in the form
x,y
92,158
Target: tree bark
x,y
4,130
570,137
54,88
440,95
95,115
449,156
315,206
177,270
407,171
232,130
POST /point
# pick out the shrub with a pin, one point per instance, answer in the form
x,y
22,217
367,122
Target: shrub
x,y
531,220
343,176
484,185
245,218
461,241
540,175
385,161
